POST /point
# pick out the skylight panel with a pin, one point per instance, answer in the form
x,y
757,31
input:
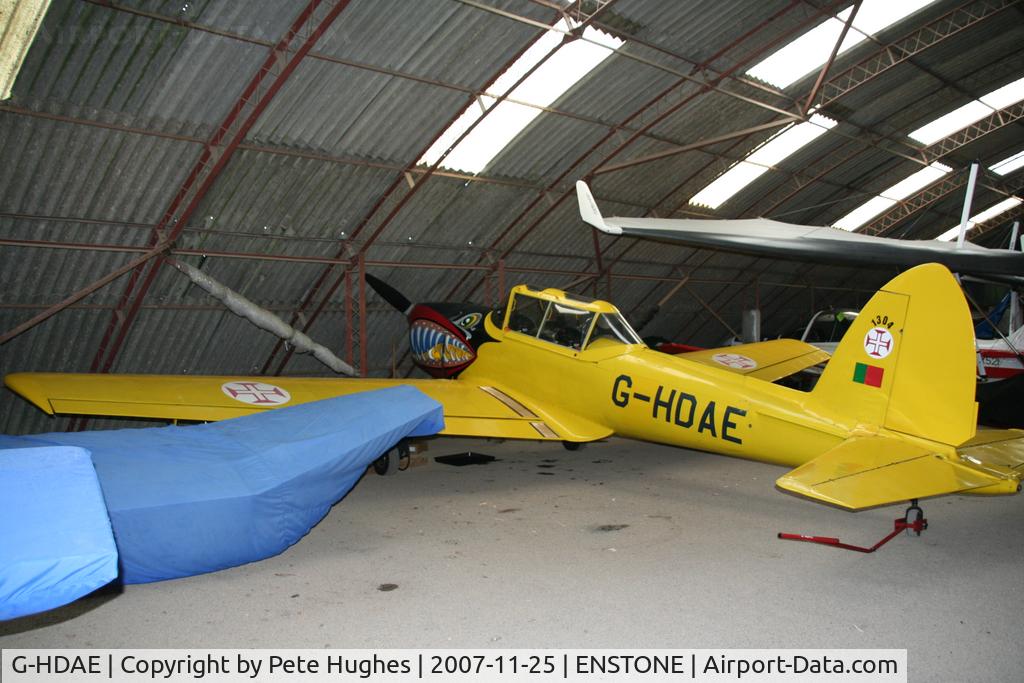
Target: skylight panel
x,y
995,210
771,152
728,184
975,110
571,62
944,126
1009,164
877,15
19,23
801,56
490,136
1003,97
986,215
812,49
789,140
921,179
889,196
863,213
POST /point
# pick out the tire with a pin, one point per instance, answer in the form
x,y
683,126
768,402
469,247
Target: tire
x,y
392,461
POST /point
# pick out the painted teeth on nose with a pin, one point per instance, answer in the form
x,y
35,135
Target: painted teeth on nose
x,y
435,346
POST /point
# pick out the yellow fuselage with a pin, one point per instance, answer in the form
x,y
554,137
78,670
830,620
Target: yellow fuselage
x,y
652,396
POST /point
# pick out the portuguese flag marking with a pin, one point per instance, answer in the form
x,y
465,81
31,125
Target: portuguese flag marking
x,y
868,374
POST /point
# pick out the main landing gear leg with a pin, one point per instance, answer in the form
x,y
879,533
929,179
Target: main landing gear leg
x,y
912,521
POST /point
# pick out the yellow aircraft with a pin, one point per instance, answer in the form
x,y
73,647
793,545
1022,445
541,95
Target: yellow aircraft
x,y
891,419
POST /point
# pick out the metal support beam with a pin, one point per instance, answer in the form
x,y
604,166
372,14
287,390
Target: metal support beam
x,y
502,287
700,144
363,369
349,330
500,268
818,170
710,310
907,207
277,67
997,222
689,77
585,12
972,180
827,66
992,122
899,51
82,293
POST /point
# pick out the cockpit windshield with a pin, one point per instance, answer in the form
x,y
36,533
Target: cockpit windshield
x,y
567,325
551,321
612,327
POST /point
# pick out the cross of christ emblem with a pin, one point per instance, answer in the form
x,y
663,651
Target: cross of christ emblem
x,y
878,343
256,393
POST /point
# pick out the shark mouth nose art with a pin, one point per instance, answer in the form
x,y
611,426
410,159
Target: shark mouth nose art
x,y
436,347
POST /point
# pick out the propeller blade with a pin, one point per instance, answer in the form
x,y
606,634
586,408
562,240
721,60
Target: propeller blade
x,y
389,294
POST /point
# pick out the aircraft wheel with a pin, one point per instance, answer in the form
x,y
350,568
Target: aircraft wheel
x,y
915,515
394,461
573,445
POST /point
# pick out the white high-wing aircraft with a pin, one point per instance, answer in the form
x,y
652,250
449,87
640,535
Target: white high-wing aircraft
x,y
765,237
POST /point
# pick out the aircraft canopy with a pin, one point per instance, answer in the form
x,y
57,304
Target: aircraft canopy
x,y
576,323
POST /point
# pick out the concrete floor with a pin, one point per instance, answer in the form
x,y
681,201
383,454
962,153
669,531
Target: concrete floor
x,y
622,544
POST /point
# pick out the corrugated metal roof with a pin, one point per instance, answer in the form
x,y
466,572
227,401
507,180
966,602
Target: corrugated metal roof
x,y
88,59
436,39
342,110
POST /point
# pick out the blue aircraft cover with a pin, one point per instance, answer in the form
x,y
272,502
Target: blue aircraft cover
x,y
195,499
55,538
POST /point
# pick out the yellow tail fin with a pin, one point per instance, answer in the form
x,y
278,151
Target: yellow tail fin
x,y
907,362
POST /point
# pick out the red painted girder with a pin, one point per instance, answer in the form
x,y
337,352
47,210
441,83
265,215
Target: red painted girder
x,y
212,160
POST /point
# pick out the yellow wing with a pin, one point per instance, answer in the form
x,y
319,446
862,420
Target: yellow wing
x,y
772,360
865,471
470,408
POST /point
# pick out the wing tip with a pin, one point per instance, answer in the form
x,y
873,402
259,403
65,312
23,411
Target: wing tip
x,y
589,211
25,385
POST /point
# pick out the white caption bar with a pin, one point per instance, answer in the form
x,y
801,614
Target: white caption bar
x,y
215,666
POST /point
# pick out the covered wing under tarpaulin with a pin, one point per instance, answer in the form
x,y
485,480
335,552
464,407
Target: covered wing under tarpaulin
x,y
55,538
188,500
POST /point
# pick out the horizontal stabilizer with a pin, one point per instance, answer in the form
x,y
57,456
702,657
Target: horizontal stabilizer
x,y
768,360
866,471
1000,451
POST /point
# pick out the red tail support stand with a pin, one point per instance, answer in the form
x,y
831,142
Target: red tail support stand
x,y
913,521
